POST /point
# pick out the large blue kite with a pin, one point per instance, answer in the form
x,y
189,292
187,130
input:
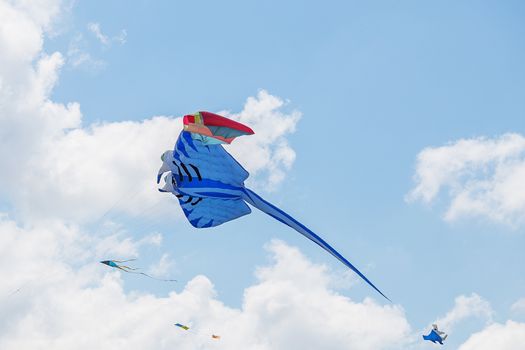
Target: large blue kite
x,y
209,182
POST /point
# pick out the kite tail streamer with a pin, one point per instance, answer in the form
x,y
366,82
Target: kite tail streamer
x,y
128,270
158,279
255,200
123,261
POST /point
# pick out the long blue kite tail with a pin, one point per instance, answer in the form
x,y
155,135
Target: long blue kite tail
x,y
270,209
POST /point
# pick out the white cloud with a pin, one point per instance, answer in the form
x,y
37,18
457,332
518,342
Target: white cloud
x,y
121,37
104,39
43,13
518,306
483,177
70,302
95,29
293,296
55,167
28,118
162,267
78,56
84,170
508,336
118,245
267,152
87,169
465,307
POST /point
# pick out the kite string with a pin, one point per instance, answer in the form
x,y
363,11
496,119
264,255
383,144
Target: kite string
x,y
144,213
117,148
119,201
148,223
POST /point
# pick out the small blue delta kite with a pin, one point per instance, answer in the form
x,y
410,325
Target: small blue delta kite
x,y
209,182
435,335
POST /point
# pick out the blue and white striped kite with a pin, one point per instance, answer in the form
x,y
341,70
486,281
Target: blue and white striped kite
x,y
209,182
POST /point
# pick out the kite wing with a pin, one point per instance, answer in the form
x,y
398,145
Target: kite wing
x,y
199,155
433,337
193,159
429,338
210,212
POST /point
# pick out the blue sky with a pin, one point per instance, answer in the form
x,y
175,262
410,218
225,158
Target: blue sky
x,y
375,82
393,78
